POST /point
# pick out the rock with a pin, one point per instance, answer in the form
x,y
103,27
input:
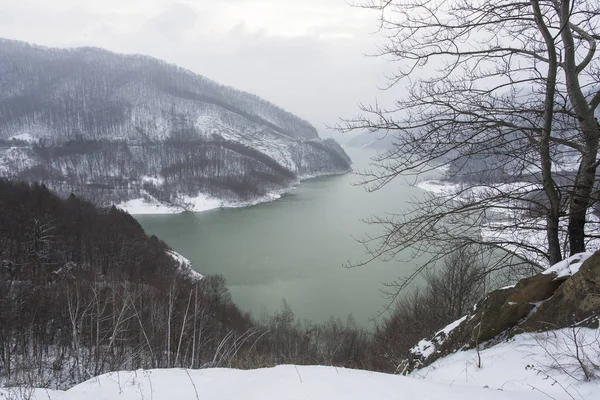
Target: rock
x,y
494,315
576,302
489,318
503,309
541,302
537,288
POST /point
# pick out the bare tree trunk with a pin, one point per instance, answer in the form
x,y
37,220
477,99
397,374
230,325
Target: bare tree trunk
x,y
580,201
169,318
195,318
185,317
553,215
586,175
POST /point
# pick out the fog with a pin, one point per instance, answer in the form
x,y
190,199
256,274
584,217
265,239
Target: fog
x,y
308,57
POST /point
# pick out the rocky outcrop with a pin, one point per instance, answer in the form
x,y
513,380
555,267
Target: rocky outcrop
x,y
576,302
536,288
542,302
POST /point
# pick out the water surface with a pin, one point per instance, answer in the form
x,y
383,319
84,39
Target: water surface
x,y
294,248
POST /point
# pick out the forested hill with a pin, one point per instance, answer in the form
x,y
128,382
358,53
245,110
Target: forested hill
x,y
83,290
115,127
44,238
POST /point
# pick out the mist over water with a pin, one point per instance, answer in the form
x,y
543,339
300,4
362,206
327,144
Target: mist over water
x,y
295,248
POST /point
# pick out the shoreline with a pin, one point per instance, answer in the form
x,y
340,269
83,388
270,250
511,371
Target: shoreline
x,y
148,205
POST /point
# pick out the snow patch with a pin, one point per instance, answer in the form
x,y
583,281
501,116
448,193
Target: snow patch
x,y
569,266
426,347
185,266
25,137
153,180
450,327
143,206
201,202
437,187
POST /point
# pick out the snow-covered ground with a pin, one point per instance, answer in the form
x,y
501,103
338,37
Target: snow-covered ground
x,y
546,365
279,383
533,364
528,366
426,347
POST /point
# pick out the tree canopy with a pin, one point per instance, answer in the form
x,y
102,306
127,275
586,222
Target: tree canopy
x,y
501,96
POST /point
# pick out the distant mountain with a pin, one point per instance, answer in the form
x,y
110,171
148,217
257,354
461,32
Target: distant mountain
x,y
115,127
372,140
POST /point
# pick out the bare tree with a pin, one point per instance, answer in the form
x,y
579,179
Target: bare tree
x,y
579,33
502,95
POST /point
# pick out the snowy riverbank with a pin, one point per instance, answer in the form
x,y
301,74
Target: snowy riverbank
x,y
203,202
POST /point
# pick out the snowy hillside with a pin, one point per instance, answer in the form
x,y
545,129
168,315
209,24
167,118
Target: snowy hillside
x,y
556,364
538,366
116,128
545,363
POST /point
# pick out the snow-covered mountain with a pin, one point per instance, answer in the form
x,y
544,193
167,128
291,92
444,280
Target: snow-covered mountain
x,y
115,127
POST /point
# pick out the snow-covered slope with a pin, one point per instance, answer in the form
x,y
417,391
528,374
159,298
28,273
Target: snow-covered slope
x,y
116,128
545,363
279,383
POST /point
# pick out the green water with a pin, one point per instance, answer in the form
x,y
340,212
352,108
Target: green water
x,y
294,248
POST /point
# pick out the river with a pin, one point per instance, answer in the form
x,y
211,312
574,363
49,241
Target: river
x,y
294,248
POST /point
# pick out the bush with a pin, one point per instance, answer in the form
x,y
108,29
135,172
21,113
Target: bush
x,y
447,294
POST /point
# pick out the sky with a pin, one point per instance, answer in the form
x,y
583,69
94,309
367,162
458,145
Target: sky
x,y
307,56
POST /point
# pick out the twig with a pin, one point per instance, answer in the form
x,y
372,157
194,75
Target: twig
x,y
193,384
541,391
298,372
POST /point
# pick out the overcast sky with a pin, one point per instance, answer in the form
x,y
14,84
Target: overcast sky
x,y
306,56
